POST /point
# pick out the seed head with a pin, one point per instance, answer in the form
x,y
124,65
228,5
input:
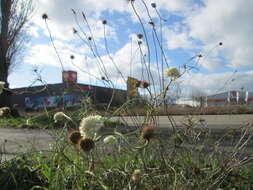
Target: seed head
x,y
195,171
74,31
90,38
109,139
200,55
148,132
72,57
139,42
151,23
172,73
44,16
61,117
145,84
153,5
136,176
74,137
139,36
220,43
5,111
86,144
104,22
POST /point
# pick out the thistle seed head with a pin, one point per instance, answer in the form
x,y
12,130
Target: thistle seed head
x,y
74,137
86,144
44,16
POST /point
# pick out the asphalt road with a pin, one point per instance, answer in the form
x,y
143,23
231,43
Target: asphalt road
x,y
210,121
13,141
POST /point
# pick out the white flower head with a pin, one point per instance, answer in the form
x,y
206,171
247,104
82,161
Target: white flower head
x,y
109,139
61,117
136,176
5,111
172,73
1,86
90,125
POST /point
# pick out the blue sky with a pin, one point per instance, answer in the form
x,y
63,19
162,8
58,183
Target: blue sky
x,y
192,27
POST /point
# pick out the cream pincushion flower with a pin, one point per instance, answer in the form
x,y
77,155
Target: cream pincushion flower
x,y
61,117
172,73
136,176
1,86
109,139
90,125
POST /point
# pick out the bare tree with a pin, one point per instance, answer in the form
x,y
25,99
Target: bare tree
x,y
13,18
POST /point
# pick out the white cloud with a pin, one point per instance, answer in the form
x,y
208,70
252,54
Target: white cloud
x,y
177,39
218,82
176,6
229,21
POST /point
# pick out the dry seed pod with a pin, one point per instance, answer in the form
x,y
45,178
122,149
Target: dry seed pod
x,y
86,144
74,137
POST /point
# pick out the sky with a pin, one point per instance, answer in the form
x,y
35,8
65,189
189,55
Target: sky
x,y
188,28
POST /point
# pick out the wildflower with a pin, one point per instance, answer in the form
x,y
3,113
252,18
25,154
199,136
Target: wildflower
x,y
136,176
139,36
172,72
5,112
90,125
104,22
74,137
153,5
1,86
148,132
86,144
44,16
61,117
109,139
144,84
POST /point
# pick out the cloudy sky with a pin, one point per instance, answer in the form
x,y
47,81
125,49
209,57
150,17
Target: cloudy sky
x,y
179,31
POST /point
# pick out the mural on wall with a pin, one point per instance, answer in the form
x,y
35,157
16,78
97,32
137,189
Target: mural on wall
x,y
52,101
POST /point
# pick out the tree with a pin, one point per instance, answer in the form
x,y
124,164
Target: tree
x,y
13,19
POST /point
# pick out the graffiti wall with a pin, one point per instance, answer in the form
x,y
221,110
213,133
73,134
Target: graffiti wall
x,y
52,101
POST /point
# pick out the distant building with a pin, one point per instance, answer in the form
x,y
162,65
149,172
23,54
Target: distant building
x,y
231,98
187,102
67,93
